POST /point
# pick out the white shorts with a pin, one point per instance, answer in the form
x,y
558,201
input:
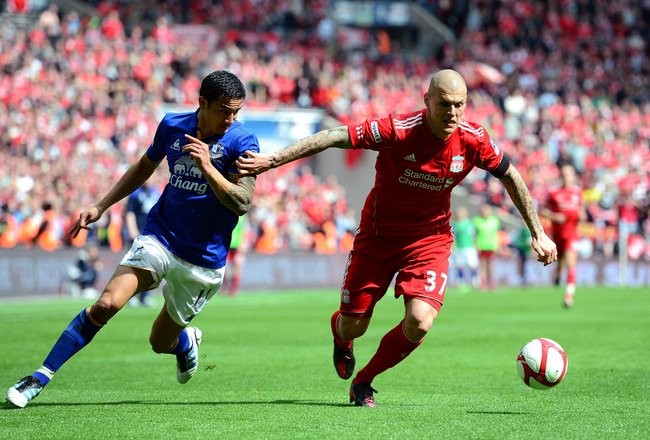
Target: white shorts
x,y
466,257
188,287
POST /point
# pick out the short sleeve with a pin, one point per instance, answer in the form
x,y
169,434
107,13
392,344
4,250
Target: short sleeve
x,y
372,134
157,150
489,154
246,143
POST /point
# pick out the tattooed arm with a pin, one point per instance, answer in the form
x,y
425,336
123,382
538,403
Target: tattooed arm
x,y
239,195
257,163
516,187
236,192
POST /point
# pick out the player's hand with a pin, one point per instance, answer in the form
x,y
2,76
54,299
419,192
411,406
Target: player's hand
x,y
90,215
199,151
254,163
545,248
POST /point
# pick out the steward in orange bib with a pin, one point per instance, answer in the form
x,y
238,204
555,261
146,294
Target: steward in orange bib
x,y
47,236
8,228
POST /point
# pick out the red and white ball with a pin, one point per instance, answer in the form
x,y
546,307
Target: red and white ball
x,y
541,363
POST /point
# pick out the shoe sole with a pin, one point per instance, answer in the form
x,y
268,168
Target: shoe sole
x,y
184,377
15,398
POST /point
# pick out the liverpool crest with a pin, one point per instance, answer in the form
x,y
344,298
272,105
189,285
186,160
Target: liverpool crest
x,y
457,163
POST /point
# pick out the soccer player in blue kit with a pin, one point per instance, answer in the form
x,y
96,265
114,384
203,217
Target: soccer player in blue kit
x,y
187,235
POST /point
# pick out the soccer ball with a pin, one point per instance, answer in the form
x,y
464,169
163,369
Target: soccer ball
x,y
541,363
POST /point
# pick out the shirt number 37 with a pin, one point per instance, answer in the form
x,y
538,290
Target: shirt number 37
x,y
430,285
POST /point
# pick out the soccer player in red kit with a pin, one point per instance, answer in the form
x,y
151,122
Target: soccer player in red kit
x,y
404,227
565,209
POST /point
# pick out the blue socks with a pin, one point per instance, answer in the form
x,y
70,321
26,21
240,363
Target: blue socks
x,y
184,343
44,375
79,333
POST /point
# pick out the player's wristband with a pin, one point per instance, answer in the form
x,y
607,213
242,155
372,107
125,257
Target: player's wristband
x,y
499,171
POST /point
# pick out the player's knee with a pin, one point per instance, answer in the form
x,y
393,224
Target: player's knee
x,y
418,323
105,308
416,330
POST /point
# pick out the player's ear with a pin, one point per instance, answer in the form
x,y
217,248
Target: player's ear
x,y
203,103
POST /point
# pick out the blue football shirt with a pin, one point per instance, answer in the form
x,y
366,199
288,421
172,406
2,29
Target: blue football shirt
x,y
140,203
188,219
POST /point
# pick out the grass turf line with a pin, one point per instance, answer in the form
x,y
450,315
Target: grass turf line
x,y
266,371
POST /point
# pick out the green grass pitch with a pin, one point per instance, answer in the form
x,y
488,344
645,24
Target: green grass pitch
x,y
266,371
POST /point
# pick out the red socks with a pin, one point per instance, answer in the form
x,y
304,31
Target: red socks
x,y
234,284
393,349
571,277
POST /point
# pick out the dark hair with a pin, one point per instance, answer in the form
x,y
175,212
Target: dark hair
x,y
562,162
222,84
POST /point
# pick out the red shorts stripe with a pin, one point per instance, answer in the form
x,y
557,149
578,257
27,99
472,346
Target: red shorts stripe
x,y
421,265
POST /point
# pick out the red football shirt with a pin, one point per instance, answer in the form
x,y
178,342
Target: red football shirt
x,y
417,171
566,201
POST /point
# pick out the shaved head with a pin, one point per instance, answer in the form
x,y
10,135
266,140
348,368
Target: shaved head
x,y
445,101
448,80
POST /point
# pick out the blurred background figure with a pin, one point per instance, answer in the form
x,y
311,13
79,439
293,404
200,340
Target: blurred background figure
x,y
83,273
565,208
137,207
236,258
521,244
8,227
465,254
50,230
487,243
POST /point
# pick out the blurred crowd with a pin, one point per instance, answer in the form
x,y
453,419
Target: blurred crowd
x,y
80,100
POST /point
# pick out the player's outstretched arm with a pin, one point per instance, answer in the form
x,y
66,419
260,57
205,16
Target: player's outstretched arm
x,y
134,178
257,163
518,191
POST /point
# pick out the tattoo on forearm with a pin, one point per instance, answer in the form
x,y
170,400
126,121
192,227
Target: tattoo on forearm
x,y
520,196
336,137
240,196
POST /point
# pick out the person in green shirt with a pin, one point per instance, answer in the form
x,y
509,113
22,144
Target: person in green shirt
x,y
465,255
521,244
236,258
487,242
